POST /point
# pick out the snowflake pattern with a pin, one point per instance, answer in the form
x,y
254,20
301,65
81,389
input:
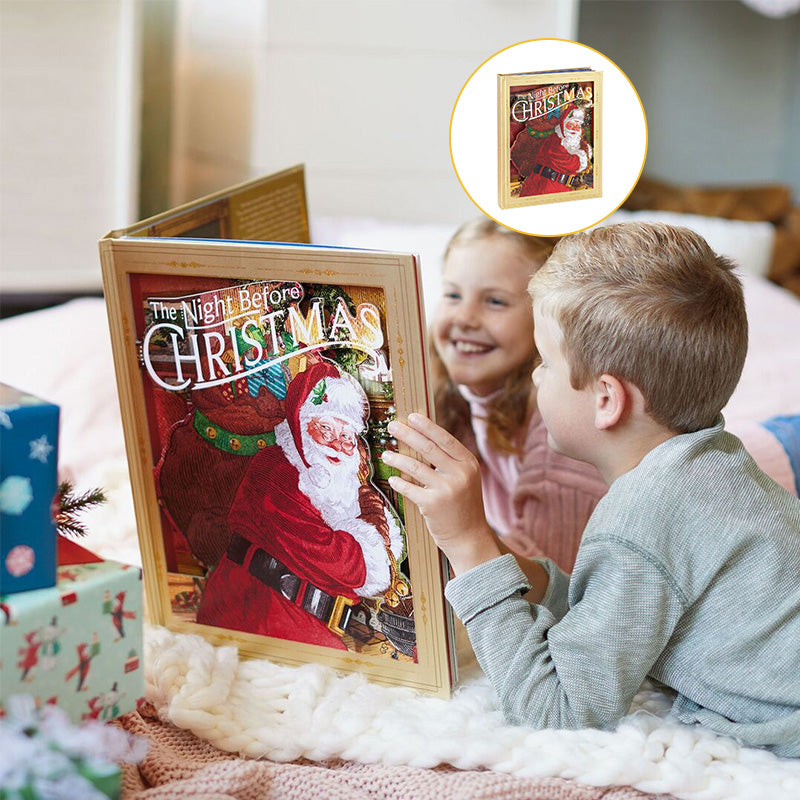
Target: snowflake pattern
x,y
16,494
41,449
5,417
20,560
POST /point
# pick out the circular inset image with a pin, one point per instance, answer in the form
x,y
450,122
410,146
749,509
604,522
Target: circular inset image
x,y
548,137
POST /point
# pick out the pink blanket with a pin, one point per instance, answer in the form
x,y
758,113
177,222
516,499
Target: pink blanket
x,y
179,765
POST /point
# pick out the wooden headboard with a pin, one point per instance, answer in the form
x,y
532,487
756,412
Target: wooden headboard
x,y
769,203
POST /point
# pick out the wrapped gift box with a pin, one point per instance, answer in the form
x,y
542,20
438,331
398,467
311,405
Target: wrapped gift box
x,y
46,756
77,644
28,482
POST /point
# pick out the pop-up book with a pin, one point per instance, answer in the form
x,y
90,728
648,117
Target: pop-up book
x,y
257,375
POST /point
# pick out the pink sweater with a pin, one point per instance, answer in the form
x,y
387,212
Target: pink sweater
x,y
538,502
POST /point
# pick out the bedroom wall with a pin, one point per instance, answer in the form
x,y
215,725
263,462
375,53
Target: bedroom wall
x,y
359,91
158,22
235,89
718,82
69,145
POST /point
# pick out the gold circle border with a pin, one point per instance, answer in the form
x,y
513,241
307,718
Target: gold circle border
x,y
546,39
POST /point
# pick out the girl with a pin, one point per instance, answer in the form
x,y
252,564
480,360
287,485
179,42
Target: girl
x,y
536,501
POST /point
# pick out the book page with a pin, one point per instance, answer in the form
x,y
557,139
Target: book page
x,y
271,209
272,213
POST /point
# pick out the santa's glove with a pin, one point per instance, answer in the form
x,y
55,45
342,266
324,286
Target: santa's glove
x,y
372,510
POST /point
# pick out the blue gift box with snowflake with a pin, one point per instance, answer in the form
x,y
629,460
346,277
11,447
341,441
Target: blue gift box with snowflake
x,y
28,483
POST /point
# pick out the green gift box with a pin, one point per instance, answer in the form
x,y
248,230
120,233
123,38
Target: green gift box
x,y
78,644
77,783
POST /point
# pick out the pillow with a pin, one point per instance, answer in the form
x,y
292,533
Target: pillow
x,y
749,244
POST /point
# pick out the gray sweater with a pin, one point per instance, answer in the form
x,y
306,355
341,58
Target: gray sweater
x,y
688,572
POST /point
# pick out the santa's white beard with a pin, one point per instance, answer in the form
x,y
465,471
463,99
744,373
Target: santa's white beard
x,y
333,490
571,142
331,487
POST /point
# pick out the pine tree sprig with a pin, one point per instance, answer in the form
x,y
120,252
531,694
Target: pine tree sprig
x,y
70,505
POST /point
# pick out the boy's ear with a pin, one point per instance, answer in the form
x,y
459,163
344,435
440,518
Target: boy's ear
x,y
611,401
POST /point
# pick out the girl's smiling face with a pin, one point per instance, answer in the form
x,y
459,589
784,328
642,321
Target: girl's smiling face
x,y
483,326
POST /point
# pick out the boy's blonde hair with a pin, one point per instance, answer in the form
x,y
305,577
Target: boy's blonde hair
x,y
509,412
651,304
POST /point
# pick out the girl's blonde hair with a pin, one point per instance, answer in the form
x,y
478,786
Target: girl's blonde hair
x,y
511,409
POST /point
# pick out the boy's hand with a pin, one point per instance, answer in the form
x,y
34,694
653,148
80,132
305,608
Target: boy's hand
x,y
446,487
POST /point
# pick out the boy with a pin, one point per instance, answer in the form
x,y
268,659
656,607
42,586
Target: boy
x,y
689,568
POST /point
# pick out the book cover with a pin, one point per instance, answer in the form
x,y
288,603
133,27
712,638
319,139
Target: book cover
x,y
257,380
549,137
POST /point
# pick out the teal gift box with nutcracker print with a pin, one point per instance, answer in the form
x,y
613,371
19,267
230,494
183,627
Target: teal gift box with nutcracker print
x,y
78,644
28,478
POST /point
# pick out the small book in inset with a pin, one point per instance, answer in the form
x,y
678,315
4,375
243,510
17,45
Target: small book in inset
x,y
549,136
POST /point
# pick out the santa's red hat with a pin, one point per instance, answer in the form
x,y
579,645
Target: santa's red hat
x,y
323,390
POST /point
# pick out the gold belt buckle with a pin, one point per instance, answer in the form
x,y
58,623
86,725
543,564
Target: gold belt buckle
x,y
339,606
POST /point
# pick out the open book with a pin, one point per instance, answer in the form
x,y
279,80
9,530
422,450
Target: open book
x,y
257,375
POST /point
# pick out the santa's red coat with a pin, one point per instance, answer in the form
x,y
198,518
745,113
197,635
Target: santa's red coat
x,y
551,154
271,512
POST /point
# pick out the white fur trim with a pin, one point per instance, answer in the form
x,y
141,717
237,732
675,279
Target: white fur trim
x,y
584,159
346,400
376,560
396,544
285,440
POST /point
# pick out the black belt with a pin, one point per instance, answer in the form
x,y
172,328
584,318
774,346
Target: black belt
x,y
558,177
334,610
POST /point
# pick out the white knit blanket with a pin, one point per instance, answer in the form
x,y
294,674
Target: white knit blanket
x,y
261,709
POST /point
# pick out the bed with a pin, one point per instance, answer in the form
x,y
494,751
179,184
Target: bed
x,y
221,727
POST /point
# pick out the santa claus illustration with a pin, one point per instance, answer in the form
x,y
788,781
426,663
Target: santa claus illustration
x,y
563,157
225,426
310,535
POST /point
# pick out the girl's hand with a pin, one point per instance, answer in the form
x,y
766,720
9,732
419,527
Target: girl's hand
x,y
446,487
